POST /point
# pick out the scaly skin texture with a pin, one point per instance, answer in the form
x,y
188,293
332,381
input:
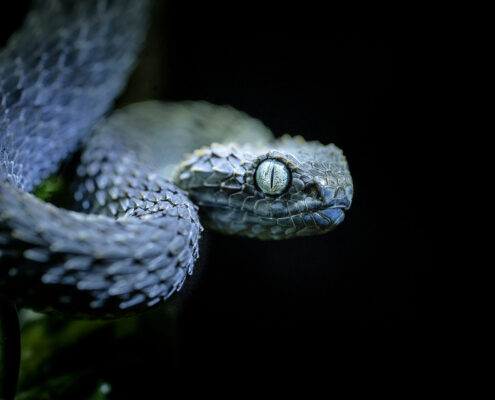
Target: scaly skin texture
x,y
58,75
220,178
136,237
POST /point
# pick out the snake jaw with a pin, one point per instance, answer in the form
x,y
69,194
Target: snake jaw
x,y
221,179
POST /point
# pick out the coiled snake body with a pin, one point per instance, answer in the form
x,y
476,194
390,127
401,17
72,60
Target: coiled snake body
x,y
137,236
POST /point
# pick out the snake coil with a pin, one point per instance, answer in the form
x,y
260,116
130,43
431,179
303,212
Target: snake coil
x,y
136,238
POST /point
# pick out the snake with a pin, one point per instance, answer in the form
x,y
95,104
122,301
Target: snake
x,y
151,175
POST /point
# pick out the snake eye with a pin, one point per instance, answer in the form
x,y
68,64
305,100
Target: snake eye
x,y
272,176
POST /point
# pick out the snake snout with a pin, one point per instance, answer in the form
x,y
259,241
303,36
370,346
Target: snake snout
x,y
331,217
337,198
335,201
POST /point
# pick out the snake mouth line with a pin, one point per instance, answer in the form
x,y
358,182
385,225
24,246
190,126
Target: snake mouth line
x,y
306,223
329,217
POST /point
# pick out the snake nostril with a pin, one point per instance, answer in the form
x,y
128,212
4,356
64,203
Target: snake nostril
x,y
313,190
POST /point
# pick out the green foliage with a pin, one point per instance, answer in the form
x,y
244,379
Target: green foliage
x,y
92,359
45,371
56,190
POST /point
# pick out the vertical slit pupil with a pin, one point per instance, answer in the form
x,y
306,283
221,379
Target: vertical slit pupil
x,y
271,177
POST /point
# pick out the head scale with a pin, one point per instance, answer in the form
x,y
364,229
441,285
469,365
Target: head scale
x,y
291,188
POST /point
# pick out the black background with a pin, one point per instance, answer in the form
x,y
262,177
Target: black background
x,y
358,287
348,86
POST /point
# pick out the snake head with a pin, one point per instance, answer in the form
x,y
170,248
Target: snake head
x,y
286,189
